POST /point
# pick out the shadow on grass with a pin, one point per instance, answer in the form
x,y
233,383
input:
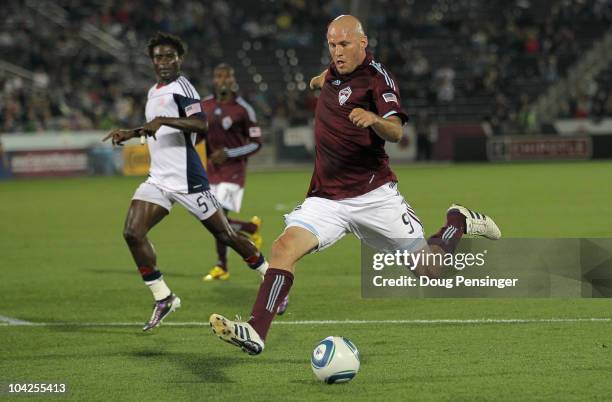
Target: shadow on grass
x,y
134,273
313,382
241,295
207,368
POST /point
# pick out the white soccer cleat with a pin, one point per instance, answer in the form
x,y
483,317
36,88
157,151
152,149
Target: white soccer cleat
x,y
477,224
238,333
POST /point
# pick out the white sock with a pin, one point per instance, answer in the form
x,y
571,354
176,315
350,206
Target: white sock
x,y
159,289
262,268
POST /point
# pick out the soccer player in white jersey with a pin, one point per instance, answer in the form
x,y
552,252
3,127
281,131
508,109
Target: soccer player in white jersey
x,y
174,118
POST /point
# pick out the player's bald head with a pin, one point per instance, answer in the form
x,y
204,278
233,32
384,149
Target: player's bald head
x,y
347,43
347,24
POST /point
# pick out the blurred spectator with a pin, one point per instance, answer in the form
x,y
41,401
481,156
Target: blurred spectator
x,y
444,84
423,131
548,69
490,58
419,66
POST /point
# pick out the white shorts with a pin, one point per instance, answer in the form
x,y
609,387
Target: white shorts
x,y
202,205
381,218
229,195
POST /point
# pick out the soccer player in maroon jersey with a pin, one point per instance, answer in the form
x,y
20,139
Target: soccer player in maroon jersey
x,y
352,187
233,136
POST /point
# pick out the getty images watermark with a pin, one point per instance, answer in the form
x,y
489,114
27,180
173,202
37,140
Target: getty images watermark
x,y
540,268
408,260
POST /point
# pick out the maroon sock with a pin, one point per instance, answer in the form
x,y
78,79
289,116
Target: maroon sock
x,y
449,235
221,254
272,292
149,273
242,226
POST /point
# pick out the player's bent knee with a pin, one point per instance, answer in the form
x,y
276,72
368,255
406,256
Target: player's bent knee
x,y
283,250
290,247
281,246
132,235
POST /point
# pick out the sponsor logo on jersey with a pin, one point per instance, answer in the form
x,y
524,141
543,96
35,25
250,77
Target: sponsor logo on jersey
x,y
193,109
390,97
344,94
336,82
226,122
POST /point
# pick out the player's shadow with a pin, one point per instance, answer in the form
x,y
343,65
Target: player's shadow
x,y
109,330
207,368
134,273
234,297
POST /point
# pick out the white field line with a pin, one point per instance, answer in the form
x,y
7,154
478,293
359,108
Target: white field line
x,y
12,321
7,322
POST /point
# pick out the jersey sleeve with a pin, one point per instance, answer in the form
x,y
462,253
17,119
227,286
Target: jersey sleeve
x,y
189,106
387,97
251,127
251,131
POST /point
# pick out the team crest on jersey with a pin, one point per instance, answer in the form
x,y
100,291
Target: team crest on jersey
x,y
226,122
336,82
344,94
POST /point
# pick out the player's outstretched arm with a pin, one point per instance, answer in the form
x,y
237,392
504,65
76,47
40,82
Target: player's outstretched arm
x,y
318,81
389,129
192,124
118,136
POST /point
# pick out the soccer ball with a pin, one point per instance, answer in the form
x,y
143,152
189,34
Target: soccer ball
x,y
335,359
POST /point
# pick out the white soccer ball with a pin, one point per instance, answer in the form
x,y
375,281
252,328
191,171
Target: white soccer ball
x,y
335,359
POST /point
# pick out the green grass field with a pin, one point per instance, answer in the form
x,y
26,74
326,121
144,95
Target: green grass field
x,y
63,260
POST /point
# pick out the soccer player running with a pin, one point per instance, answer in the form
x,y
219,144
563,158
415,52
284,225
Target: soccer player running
x,y
233,136
352,187
174,117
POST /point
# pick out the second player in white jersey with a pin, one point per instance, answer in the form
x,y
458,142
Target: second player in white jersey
x,y
175,164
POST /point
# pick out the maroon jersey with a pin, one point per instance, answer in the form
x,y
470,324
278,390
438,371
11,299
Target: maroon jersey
x,y
231,126
352,161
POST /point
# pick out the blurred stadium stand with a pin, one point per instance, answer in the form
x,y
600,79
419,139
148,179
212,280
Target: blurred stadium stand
x,y
73,65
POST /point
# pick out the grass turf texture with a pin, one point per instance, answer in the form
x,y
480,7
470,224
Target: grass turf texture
x,y
63,260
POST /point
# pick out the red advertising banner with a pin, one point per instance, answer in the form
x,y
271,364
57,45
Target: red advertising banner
x,y
539,148
43,163
448,134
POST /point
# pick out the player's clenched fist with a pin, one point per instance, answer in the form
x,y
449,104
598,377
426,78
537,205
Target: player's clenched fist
x,y
318,81
362,118
218,157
